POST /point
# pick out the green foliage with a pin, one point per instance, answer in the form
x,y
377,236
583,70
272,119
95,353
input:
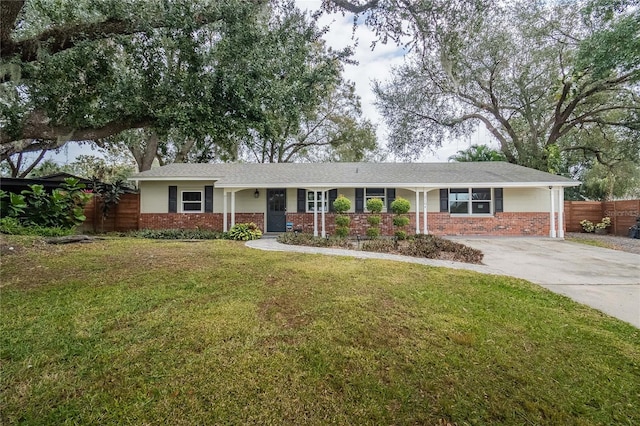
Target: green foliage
x,y
478,153
374,219
109,193
373,232
12,226
62,208
375,205
400,206
342,231
342,205
343,220
401,235
178,234
12,205
400,221
245,232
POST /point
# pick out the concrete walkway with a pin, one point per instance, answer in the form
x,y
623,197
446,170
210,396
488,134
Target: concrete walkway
x,y
605,279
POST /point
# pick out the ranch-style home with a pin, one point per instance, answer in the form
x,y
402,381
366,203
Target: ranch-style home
x,y
481,198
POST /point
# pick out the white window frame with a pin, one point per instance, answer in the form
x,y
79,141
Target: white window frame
x,y
470,201
182,200
310,201
383,198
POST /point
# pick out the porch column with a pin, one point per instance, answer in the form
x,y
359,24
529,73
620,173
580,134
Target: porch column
x,y
417,211
225,227
315,213
233,208
322,194
424,211
560,212
552,214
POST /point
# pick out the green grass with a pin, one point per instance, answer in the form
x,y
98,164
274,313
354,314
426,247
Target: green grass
x,y
130,331
592,242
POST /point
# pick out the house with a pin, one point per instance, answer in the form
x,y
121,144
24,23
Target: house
x,y
482,198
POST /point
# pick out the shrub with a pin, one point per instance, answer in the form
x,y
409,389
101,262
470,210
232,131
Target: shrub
x,y
304,239
245,232
342,231
343,220
12,226
373,232
379,245
178,234
401,235
587,225
341,204
373,220
375,205
400,221
433,247
400,206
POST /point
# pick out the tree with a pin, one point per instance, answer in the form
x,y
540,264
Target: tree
x,y
332,131
518,76
109,66
478,153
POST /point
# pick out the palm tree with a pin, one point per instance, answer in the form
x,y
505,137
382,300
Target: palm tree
x,y
478,153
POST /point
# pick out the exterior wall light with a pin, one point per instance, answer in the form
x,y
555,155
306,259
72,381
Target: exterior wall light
x,y
256,194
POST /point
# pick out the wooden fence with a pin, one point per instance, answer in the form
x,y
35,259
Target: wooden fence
x,y
122,217
623,214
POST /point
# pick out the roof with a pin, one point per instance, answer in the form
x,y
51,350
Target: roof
x,y
336,175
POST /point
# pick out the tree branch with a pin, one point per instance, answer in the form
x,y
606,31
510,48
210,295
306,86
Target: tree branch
x,y
50,136
353,7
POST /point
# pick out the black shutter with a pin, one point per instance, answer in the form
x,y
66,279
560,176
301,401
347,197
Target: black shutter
x,y
444,200
333,194
391,197
302,200
499,197
173,199
359,200
208,199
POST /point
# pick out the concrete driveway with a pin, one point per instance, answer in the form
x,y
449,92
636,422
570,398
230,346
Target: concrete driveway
x,y
608,280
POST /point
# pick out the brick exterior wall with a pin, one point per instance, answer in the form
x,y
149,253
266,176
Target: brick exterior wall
x,y
501,224
211,221
507,224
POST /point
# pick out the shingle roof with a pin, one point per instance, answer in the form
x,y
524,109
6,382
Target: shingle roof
x,y
234,175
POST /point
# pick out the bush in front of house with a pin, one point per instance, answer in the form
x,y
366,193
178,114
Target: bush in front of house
x,y
245,232
304,239
342,205
38,209
433,247
178,234
12,226
374,206
400,207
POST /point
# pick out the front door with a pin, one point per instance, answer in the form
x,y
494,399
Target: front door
x,y
276,210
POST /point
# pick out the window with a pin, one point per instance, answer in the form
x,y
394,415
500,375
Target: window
x,y
310,201
470,201
192,201
375,193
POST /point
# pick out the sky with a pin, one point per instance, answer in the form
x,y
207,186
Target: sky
x,y
372,64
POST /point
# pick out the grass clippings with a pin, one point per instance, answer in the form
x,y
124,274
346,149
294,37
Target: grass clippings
x,y
130,331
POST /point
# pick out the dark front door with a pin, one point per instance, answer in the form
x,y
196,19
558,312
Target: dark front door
x,y
276,209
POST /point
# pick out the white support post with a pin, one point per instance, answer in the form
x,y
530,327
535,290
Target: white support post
x,y
425,229
561,212
315,213
552,215
233,208
322,202
417,211
225,227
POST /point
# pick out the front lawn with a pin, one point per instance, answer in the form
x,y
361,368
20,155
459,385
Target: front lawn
x,y
130,331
